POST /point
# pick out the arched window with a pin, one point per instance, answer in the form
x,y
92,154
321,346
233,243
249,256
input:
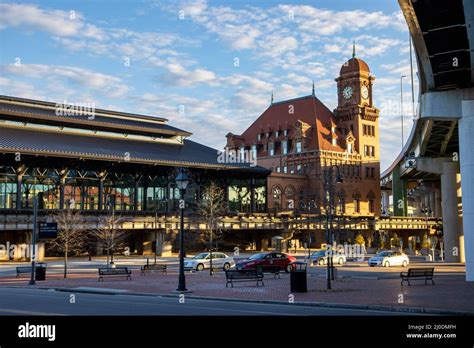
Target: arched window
x,y
290,199
371,200
276,191
341,202
356,201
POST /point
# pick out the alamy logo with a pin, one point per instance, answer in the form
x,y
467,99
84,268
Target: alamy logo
x,y
37,331
229,156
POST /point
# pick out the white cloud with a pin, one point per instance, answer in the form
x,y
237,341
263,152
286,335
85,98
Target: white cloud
x,y
107,85
56,22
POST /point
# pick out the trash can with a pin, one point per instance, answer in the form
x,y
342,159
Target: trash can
x,y
298,277
40,271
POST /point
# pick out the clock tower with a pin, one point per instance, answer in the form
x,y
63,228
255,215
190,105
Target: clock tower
x,y
358,120
355,112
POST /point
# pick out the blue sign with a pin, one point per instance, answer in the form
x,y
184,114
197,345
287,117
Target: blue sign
x,y
48,230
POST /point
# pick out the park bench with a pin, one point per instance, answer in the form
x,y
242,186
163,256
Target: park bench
x,y
23,269
418,273
117,271
154,267
275,270
234,275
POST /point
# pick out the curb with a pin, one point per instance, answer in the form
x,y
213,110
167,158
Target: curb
x,y
383,308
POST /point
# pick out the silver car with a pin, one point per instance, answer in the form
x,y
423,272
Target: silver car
x,y
320,258
203,260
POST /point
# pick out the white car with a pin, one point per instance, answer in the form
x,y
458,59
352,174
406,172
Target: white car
x,y
389,258
320,258
203,260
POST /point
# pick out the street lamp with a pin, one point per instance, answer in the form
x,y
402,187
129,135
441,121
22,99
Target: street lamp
x,y
401,103
329,233
182,182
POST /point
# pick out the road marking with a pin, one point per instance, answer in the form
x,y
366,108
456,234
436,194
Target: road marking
x,y
17,311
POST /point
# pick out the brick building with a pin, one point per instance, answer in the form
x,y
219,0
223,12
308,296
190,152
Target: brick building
x,y
301,139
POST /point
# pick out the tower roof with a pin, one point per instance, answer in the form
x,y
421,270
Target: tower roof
x,y
354,65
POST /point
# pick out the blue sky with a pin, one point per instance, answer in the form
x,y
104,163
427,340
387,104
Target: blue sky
x,y
207,66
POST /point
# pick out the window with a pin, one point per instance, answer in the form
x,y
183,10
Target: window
x,y
242,153
285,169
369,151
371,206
284,147
271,149
349,148
364,131
285,132
367,172
334,141
298,168
292,169
298,146
277,134
278,169
277,198
259,137
268,135
254,152
356,205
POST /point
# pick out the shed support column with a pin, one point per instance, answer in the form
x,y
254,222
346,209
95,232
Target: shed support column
x,y
451,224
101,194
135,195
19,184
62,182
252,195
466,146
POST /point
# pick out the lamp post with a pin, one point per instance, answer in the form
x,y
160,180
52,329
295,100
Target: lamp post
x,y
181,182
111,204
401,104
328,183
33,240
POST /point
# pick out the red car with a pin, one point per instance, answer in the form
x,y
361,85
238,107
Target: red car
x,y
266,261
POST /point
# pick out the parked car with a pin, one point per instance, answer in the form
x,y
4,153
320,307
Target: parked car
x,y
320,258
269,259
389,258
203,260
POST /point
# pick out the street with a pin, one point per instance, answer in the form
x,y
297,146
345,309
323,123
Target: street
x,y
48,302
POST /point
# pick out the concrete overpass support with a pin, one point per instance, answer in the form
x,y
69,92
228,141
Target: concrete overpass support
x,y
466,147
400,204
451,224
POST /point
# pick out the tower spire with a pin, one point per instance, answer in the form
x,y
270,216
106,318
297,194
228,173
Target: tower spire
x,y
271,101
353,48
313,87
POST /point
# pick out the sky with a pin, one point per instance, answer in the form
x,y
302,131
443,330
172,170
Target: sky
x,y
209,67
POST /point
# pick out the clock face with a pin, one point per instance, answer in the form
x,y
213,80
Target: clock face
x,y
347,92
365,92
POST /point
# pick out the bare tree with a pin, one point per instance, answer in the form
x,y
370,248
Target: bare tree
x,y
211,208
71,233
109,234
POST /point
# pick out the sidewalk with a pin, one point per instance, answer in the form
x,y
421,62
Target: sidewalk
x,y
451,292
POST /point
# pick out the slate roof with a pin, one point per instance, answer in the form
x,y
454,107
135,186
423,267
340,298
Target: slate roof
x,y
45,112
189,154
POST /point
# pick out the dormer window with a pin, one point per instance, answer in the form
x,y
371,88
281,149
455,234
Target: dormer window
x,y
259,137
268,135
277,134
285,132
298,147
